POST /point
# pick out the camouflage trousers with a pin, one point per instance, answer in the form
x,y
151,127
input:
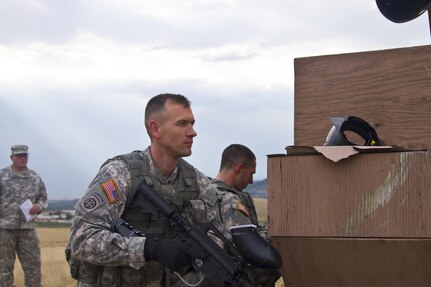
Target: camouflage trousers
x,y
25,244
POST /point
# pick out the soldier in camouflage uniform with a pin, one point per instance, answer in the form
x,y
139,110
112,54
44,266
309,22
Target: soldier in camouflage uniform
x,y
100,257
238,164
17,236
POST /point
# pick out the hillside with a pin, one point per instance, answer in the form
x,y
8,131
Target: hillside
x,y
258,189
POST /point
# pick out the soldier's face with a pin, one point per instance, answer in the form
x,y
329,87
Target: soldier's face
x,y
19,160
176,130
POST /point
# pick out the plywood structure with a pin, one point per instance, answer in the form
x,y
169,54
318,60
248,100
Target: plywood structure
x,y
390,89
338,262
367,195
365,220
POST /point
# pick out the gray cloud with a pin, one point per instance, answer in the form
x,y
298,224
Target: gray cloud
x,y
202,24
76,75
71,136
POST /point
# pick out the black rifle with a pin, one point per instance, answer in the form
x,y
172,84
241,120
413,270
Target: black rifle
x,y
219,268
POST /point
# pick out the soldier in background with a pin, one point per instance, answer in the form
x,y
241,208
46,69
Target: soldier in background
x,y
17,236
238,165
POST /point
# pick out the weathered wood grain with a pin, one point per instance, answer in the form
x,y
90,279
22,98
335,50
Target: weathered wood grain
x,y
390,89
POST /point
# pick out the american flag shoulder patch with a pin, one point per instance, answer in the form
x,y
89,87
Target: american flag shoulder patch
x,y
111,190
241,208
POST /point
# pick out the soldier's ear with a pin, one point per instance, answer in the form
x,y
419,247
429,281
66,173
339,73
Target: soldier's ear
x,y
238,167
154,128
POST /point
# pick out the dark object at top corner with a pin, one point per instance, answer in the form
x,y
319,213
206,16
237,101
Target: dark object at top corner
x,y
400,11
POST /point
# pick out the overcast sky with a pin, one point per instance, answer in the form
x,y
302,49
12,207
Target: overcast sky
x,y
75,76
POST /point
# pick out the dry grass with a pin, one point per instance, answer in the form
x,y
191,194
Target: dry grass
x,y
55,270
261,209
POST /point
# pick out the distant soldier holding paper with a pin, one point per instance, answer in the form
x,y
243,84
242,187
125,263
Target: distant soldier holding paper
x,y
20,187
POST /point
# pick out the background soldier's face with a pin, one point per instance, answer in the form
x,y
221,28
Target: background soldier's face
x,y
245,177
19,160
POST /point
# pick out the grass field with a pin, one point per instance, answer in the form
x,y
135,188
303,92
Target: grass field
x,y
261,209
55,270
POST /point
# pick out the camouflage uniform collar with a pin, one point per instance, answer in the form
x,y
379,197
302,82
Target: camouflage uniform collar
x,y
156,172
18,174
223,185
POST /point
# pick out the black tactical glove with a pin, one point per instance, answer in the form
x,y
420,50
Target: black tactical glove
x,y
174,253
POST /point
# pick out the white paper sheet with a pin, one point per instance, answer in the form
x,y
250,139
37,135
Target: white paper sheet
x,y
25,208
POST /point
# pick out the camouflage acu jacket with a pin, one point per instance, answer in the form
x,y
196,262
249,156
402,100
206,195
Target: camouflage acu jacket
x,y
16,188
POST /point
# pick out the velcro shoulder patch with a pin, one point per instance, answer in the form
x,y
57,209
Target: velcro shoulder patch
x,y
92,202
241,208
111,191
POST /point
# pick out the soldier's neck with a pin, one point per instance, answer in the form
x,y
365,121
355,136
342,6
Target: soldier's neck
x,y
227,176
18,169
164,163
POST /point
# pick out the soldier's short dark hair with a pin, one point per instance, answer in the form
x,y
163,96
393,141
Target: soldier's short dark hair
x,y
237,154
157,103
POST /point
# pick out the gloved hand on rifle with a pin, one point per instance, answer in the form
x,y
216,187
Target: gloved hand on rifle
x,y
174,253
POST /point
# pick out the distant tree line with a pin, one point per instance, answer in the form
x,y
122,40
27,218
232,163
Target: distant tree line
x,y
61,204
258,189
